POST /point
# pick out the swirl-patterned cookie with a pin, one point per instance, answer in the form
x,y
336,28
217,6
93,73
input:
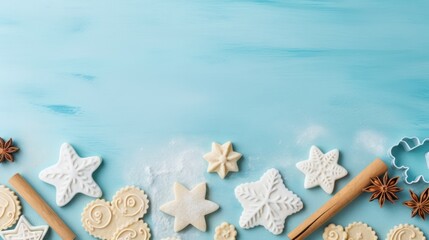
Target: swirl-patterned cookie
x,y
136,231
405,232
10,208
359,230
334,232
105,220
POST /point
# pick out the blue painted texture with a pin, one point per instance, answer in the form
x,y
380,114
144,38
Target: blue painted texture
x,y
142,83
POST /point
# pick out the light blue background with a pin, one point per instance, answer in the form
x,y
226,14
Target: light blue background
x,y
144,82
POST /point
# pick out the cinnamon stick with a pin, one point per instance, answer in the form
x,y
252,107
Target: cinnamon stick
x,y
340,200
41,207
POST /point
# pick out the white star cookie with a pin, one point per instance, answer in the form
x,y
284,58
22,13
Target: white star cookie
x,y
189,207
25,231
222,159
321,169
71,175
267,202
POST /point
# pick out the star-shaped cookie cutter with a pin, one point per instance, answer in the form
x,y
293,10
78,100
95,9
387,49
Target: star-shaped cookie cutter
x,y
409,144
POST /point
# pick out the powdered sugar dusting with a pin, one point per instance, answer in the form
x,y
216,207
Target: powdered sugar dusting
x,y
310,134
178,161
371,141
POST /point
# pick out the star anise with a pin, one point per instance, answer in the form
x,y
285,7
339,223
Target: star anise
x,y
6,150
419,205
383,189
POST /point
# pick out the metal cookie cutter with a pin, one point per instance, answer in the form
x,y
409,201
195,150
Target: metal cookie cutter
x,y
414,148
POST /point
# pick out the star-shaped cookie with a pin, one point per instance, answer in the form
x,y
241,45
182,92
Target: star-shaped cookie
x,y
267,202
321,169
71,175
25,231
189,207
222,159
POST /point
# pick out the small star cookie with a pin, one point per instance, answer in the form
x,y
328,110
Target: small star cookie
x,y
189,207
222,159
322,169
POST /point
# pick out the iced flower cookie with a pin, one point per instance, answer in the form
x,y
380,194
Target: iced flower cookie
x,y
225,231
10,208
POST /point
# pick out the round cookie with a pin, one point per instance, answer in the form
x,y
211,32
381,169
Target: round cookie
x,y
405,232
359,230
10,208
137,231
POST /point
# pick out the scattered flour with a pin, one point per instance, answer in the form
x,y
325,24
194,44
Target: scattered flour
x,y
156,170
310,134
371,141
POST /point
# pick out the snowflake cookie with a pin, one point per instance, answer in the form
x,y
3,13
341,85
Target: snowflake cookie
x,y
71,175
222,159
267,202
405,232
189,207
359,230
225,231
322,169
334,232
120,218
25,231
10,208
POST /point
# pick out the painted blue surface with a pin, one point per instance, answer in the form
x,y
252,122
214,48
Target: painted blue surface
x,y
144,82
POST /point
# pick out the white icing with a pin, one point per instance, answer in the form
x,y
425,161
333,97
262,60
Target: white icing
x,y
267,202
71,175
25,231
322,169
